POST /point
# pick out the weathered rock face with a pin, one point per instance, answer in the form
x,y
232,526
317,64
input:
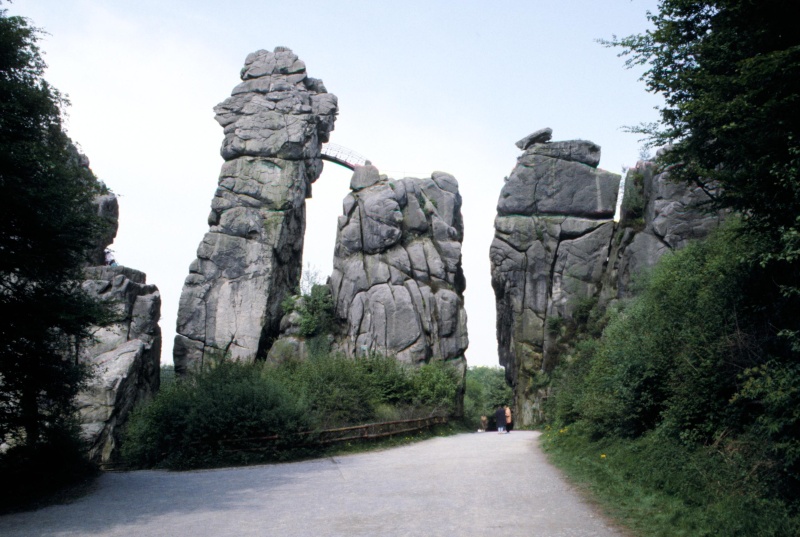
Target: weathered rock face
x,y
552,235
125,357
108,210
557,250
658,216
397,282
274,123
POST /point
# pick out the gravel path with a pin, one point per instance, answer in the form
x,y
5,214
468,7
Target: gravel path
x,y
481,484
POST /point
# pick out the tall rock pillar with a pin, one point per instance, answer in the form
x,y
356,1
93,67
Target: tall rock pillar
x,y
552,237
397,281
274,123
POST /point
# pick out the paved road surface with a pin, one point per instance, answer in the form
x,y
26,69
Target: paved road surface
x,y
481,484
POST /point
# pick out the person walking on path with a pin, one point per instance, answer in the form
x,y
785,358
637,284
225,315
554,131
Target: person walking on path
x,y
509,421
500,418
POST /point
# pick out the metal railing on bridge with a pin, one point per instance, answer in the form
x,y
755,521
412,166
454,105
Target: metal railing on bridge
x,y
342,156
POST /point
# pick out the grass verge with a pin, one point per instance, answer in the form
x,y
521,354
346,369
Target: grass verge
x,y
657,488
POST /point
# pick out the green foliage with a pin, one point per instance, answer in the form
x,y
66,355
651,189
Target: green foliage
x,y
390,381
49,224
696,363
673,358
656,486
167,375
316,312
435,387
331,387
486,389
729,72
194,422
36,472
183,427
554,324
689,399
633,202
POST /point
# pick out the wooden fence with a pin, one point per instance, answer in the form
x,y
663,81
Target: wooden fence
x,y
325,437
370,431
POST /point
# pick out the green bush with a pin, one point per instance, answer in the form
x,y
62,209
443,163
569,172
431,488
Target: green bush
x,y
435,387
486,388
695,364
633,202
184,426
32,473
203,420
317,312
389,380
335,392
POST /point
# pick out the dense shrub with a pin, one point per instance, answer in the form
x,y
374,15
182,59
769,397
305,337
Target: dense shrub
x,y
486,388
334,390
435,388
199,421
185,425
695,362
389,380
32,473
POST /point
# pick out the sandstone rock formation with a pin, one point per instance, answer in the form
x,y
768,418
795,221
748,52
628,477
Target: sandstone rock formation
x,y
657,216
397,281
557,250
552,235
108,210
124,355
274,123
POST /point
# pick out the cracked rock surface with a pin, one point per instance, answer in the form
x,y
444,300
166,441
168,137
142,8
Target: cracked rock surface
x,y
557,251
124,355
552,236
673,214
274,124
397,281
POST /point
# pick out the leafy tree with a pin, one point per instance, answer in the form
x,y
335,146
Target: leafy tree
x,y
729,72
48,225
486,388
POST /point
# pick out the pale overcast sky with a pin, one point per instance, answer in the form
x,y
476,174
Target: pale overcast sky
x,y
422,86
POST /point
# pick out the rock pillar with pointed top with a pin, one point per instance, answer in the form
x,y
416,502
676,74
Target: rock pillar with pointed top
x,y
274,124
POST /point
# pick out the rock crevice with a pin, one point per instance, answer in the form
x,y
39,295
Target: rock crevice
x,y
557,249
124,355
397,281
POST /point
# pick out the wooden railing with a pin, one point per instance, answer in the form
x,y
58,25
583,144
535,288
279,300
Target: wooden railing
x,y
370,431
356,433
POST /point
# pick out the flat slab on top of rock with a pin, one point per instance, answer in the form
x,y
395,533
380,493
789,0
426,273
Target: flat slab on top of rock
x,y
539,137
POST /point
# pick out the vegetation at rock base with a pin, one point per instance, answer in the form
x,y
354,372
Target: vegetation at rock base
x,y
693,396
486,388
683,415
191,422
48,225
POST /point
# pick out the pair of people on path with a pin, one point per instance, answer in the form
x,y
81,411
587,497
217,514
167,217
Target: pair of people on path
x,y
503,418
